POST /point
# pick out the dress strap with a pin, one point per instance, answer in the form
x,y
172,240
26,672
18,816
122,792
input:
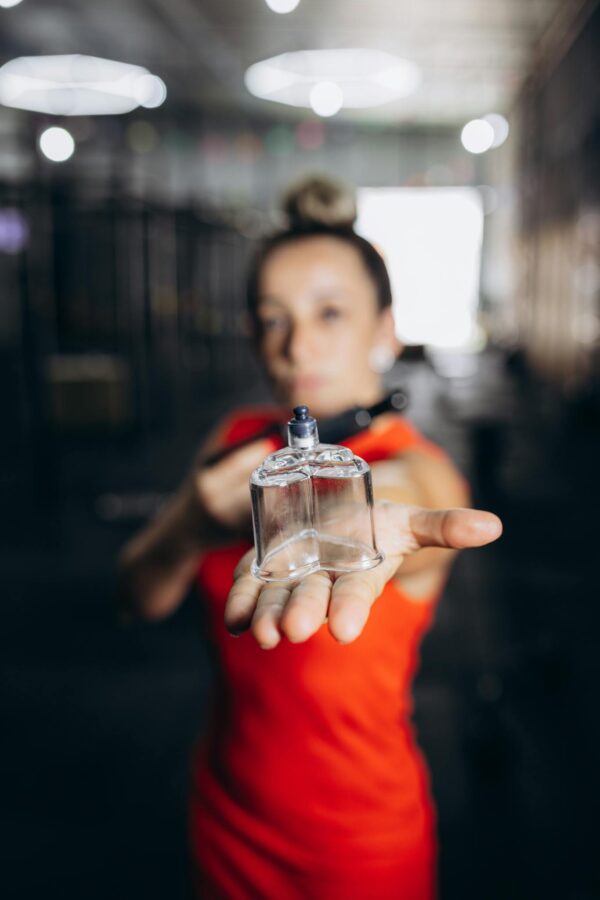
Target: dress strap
x,y
389,437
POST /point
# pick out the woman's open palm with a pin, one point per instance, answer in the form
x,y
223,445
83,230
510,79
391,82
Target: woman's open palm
x,y
298,610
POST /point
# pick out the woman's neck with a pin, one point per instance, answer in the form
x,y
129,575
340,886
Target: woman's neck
x,y
366,399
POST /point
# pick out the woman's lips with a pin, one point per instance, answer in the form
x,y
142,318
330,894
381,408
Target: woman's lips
x,y
307,383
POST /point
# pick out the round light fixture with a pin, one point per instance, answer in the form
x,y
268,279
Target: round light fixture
x,y
477,136
6,4
150,91
77,85
326,98
282,6
352,78
57,144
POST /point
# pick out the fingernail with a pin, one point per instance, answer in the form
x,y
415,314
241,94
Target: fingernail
x,y
492,526
300,630
350,631
269,646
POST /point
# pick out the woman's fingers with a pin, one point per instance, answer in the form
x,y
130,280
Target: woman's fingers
x,y
242,598
307,607
271,610
353,596
265,621
455,528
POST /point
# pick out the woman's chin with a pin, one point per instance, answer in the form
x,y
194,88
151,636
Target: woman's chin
x,y
320,405
321,401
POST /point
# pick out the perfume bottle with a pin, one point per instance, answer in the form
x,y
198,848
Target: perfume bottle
x,y
312,508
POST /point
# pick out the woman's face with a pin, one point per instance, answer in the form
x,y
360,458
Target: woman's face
x,y
318,324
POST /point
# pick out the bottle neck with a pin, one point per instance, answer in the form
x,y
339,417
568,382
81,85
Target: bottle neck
x,y
309,442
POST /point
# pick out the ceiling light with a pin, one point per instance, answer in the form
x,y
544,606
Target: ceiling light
x,y
6,4
326,98
477,136
57,144
150,90
281,6
362,78
78,85
500,127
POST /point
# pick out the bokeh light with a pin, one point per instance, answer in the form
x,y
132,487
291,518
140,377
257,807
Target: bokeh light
x,y
477,136
150,90
326,98
500,126
248,147
142,136
14,231
282,6
279,140
214,146
57,144
310,134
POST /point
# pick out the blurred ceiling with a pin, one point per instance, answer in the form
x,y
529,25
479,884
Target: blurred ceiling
x,y
473,54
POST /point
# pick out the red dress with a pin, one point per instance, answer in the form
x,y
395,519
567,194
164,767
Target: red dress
x,y
309,784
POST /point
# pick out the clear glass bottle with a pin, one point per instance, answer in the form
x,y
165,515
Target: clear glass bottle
x,y
312,508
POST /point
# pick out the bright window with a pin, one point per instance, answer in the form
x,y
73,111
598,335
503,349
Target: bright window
x,y
430,239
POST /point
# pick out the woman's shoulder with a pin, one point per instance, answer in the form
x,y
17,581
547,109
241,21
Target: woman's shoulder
x,y
391,434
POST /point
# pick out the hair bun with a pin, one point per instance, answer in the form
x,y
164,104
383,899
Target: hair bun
x,y
319,201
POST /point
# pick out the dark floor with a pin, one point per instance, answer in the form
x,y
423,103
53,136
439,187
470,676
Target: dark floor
x,y
97,721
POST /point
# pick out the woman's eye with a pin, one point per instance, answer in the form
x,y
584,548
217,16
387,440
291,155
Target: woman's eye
x,y
272,324
330,313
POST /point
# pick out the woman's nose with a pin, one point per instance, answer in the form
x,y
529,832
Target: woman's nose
x,y
301,343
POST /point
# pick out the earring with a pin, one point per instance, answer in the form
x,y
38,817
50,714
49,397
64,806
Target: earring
x,y
381,359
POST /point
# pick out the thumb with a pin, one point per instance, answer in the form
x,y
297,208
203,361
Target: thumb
x,y
455,528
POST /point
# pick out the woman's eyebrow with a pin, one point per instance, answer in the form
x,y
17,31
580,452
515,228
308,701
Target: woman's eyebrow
x,y
321,297
333,294
269,301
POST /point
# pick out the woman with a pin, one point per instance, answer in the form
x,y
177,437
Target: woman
x,y
309,783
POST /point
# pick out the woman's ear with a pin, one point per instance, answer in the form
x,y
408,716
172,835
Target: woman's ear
x,y
386,346
387,332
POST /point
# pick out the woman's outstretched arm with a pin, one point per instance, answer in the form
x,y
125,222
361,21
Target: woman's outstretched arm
x,y
344,601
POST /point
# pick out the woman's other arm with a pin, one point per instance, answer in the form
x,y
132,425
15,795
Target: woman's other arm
x,y
156,567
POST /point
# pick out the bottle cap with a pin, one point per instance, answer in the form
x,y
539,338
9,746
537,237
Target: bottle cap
x,y
302,429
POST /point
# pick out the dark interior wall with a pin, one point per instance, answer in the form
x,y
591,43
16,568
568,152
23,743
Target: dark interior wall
x,y
560,114
559,190
124,332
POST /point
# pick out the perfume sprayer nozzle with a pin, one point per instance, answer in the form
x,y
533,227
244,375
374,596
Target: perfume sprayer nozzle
x,y
302,429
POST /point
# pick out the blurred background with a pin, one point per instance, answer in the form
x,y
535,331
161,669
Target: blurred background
x,y
136,174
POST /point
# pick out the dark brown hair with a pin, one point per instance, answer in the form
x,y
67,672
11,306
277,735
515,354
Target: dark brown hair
x,y
320,207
